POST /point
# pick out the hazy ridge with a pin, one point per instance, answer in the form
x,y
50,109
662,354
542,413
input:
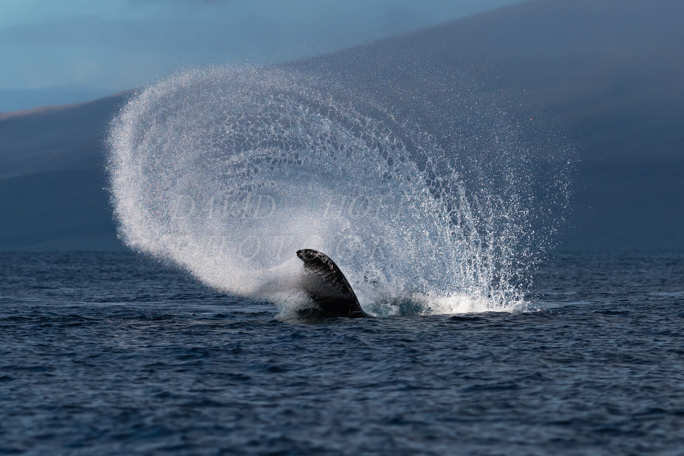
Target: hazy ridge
x,y
608,71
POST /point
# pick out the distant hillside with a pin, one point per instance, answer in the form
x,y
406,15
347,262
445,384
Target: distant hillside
x,y
22,99
52,182
610,71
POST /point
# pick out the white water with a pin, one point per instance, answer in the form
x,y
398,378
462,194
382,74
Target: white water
x,y
228,172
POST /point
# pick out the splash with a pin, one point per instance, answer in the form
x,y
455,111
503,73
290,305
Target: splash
x,y
227,172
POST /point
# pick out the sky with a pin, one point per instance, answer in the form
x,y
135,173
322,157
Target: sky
x,y
114,45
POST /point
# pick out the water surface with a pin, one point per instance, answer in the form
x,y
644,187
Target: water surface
x,y
105,353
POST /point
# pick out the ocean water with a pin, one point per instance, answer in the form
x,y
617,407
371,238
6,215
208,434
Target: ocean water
x,y
104,353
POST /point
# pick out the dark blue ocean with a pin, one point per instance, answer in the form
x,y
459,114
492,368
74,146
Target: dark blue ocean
x,y
104,354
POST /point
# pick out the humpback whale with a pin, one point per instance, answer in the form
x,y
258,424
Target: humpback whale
x,y
327,287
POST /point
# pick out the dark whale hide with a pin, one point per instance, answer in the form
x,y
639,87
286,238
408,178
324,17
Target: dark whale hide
x,y
327,287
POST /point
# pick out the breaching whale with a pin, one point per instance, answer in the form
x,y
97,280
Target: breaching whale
x,y
327,287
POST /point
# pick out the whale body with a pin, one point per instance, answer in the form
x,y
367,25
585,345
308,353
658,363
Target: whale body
x,y
327,287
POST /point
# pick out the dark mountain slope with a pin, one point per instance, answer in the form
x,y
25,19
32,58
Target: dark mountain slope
x,y
52,183
609,71
55,138
59,210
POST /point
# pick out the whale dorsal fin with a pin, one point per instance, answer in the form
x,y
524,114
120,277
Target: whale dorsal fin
x,y
327,286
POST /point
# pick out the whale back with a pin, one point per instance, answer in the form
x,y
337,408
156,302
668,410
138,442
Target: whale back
x,y
325,284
